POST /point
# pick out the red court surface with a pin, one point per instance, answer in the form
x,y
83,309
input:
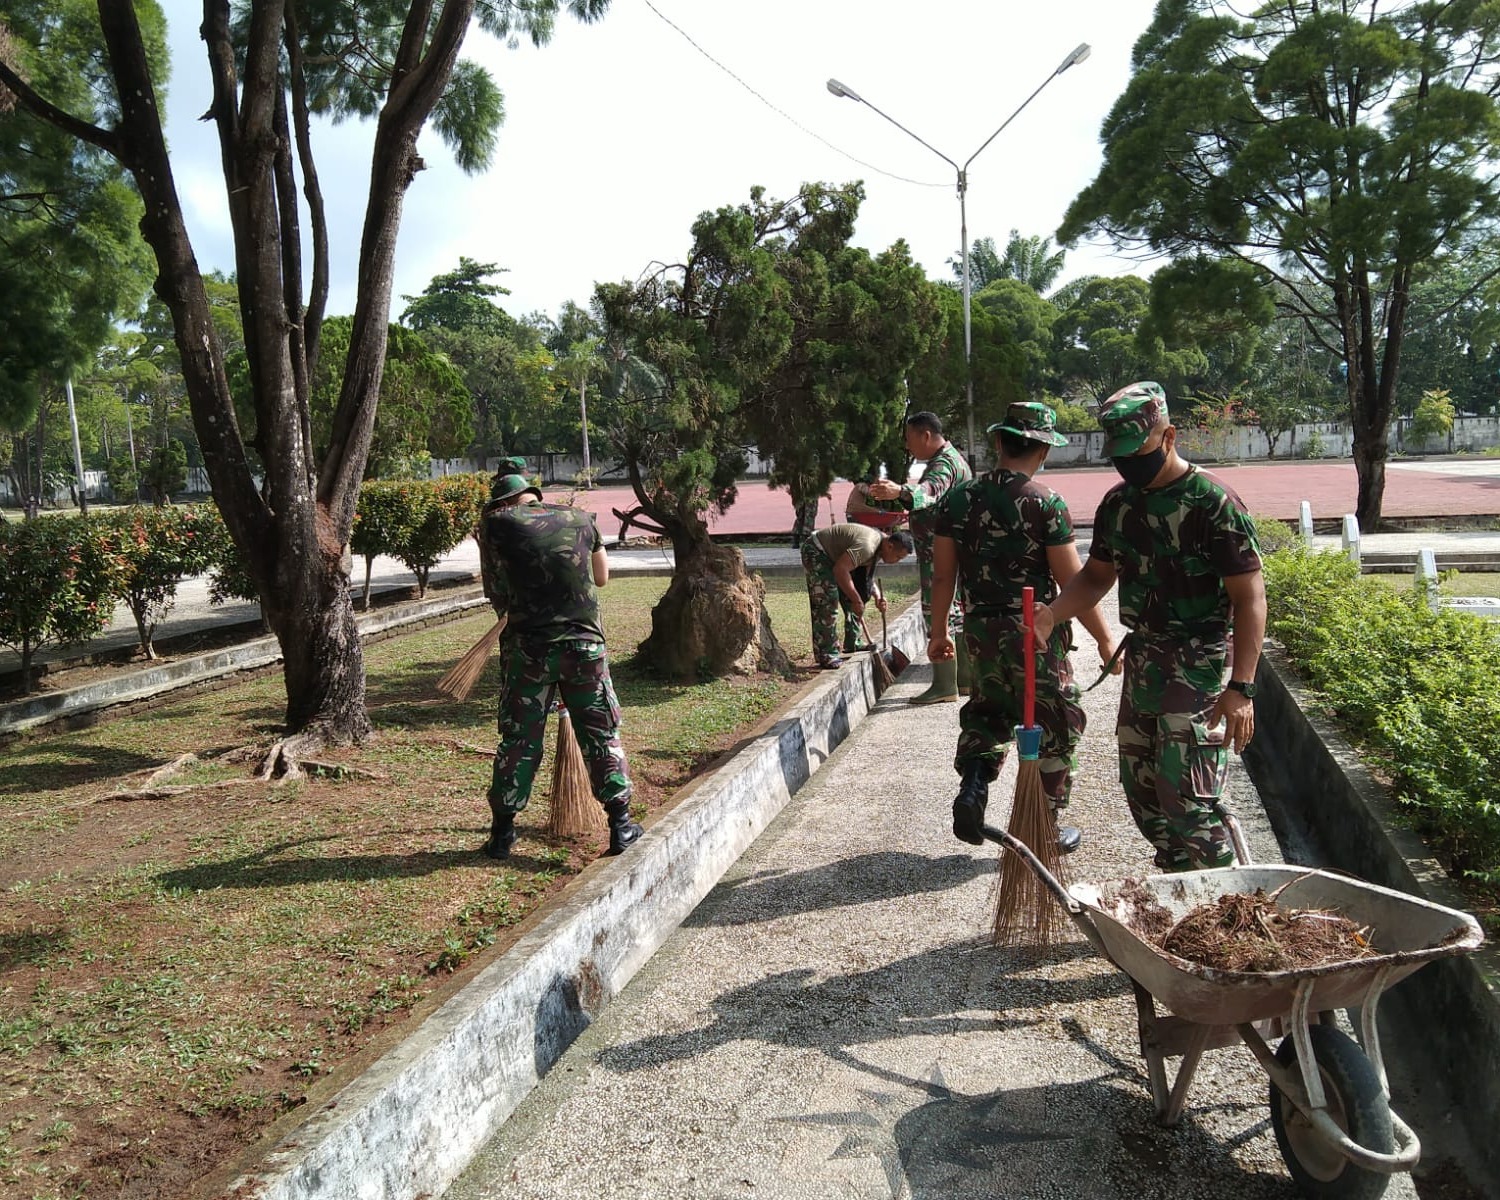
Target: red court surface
x,y
1434,489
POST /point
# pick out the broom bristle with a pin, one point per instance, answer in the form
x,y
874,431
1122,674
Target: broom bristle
x,y
881,672
460,678
574,809
1026,913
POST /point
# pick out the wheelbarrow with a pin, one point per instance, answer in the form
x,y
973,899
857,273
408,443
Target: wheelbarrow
x,y
1329,1097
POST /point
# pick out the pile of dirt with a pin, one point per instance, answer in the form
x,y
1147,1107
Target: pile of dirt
x,y
1246,931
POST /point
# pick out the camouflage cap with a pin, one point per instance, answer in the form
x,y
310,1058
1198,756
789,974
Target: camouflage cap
x,y
503,487
1129,416
1032,420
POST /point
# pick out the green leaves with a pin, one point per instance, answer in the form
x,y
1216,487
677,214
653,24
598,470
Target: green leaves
x,y
1417,689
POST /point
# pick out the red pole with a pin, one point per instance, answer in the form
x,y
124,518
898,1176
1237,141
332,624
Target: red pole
x,y
1027,596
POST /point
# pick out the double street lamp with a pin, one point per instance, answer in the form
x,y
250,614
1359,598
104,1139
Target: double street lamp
x,y
1080,53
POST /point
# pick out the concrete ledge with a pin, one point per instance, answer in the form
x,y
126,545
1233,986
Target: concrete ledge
x,y
1454,1003
409,1125
133,686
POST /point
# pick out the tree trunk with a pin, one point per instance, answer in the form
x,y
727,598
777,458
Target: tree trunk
x,y
712,620
1369,466
323,660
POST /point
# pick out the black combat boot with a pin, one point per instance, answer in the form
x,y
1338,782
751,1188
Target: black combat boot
x,y
1069,837
969,804
502,834
622,830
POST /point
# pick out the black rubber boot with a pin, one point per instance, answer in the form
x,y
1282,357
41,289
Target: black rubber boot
x,y
969,804
622,830
1069,837
502,835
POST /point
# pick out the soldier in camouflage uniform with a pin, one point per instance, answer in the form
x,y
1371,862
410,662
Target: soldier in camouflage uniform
x,y
542,565
1001,532
830,558
1184,552
945,469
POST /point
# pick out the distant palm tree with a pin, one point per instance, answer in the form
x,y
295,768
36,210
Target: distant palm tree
x,y
1029,259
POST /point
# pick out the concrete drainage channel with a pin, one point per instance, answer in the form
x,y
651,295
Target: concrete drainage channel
x,y
409,1125
1446,1017
132,689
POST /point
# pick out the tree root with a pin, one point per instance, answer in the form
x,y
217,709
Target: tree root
x,y
292,757
162,774
168,791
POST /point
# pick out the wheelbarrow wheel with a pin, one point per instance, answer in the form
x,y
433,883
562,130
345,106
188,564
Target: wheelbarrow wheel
x,y
1357,1104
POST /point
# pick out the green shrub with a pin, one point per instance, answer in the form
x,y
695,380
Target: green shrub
x,y
1273,535
1418,690
157,549
382,521
166,472
124,479
58,580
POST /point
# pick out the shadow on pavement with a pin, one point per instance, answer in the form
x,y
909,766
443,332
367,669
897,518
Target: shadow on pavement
x,y
885,876
906,998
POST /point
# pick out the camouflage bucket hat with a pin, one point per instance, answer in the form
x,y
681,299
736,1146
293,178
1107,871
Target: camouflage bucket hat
x,y
503,487
1031,420
1129,416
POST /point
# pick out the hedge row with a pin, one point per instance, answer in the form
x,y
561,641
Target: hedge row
x,y
62,576
1419,691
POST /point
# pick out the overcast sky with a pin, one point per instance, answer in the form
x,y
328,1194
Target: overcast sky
x,y
618,134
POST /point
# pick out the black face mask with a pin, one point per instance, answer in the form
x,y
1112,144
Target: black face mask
x,y
1140,469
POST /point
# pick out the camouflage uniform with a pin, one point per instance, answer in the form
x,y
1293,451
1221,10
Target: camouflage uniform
x,y
823,592
1172,547
945,470
538,573
1003,522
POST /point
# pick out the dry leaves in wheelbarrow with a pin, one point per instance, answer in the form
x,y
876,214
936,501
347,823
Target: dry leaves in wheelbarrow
x,y
1246,931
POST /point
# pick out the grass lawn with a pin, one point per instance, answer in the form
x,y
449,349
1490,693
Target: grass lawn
x,y
1454,583
177,972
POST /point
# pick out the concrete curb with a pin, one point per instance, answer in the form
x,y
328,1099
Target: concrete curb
x,y
135,686
409,1125
1454,1002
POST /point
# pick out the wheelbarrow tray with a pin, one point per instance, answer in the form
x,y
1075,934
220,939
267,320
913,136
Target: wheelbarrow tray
x,y
1405,930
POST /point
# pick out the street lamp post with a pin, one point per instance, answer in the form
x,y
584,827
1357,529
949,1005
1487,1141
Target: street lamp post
x,y
1079,53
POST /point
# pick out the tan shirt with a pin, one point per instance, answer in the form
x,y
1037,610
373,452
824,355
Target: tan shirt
x,y
860,542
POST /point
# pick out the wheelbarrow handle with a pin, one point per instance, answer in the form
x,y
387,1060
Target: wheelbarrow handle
x,y
1072,907
1049,880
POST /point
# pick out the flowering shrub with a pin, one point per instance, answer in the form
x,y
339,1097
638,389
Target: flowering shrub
x,y
58,580
157,549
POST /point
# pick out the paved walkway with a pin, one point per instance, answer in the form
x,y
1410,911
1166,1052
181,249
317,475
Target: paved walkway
x,y
832,1021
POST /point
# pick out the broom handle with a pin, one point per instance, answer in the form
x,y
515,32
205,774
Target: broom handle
x,y
1029,702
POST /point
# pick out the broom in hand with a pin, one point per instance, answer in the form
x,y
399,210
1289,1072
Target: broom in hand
x,y
574,809
1025,911
464,674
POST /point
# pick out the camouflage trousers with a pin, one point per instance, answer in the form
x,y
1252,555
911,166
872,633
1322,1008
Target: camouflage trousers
x,y
1173,769
823,599
995,705
924,543
581,672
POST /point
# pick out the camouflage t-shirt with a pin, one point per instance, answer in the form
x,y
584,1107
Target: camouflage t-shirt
x,y
944,471
537,563
1003,522
1172,548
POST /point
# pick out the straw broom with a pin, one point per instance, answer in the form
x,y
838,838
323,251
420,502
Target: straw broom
x,y
1025,911
460,679
574,809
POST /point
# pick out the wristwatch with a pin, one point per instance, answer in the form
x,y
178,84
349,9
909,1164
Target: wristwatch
x,y
1246,690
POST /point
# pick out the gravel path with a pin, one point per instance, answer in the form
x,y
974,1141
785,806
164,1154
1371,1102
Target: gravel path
x,y
833,1022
